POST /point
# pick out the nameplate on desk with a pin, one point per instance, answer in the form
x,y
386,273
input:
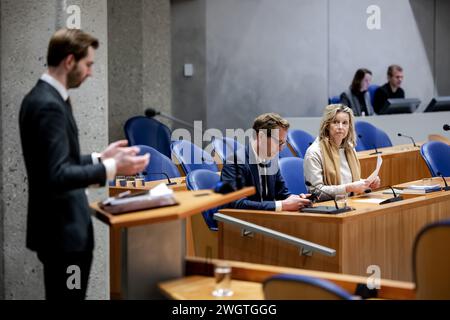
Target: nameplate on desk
x,y
132,203
326,210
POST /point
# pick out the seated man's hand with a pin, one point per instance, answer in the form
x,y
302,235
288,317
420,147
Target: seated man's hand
x,y
294,203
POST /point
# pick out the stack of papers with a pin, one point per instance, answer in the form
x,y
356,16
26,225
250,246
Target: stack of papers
x,y
422,188
160,196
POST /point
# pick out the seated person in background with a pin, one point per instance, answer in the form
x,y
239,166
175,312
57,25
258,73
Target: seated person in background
x,y
390,90
357,97
259,168
330,163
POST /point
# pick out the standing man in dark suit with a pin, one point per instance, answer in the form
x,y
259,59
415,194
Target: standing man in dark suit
x,y
390,90
260,169
59,226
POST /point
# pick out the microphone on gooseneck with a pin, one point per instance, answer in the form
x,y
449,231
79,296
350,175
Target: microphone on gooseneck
x,y
316,194
394,199
169,183
411,138
446,188
373,146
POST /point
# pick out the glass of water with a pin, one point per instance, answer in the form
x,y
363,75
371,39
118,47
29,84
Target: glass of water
x,y
341,200
222,274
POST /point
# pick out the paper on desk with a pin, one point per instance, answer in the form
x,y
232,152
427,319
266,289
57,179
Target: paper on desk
x,y
161,190
374,174
371,200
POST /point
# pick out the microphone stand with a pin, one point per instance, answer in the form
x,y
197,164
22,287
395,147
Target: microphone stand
x,y
394,199
169,183
412,139
447,187
324,209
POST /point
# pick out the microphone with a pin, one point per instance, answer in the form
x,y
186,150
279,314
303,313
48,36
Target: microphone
x,y
446,127
412,139
317,196
151,113
374,146
394,199
169,183
446,188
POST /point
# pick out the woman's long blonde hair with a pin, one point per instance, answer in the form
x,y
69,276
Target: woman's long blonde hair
x,y
329,115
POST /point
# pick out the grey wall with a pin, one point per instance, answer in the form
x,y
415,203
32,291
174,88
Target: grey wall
x,y
289,56
25,30
139,60
442,58
189,46
124,64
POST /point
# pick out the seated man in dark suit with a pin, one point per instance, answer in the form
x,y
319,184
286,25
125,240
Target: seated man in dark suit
x,y
390,90
259,168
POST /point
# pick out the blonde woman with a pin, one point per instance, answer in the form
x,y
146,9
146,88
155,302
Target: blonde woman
x,y
330,163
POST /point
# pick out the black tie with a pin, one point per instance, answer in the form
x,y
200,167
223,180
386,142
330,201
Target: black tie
x,y
264,183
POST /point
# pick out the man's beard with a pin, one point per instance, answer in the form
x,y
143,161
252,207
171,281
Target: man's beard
x,y
74,78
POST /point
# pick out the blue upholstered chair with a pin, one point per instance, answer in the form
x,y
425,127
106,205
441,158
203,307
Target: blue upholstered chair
x,y
225,149
150,132
192,157
292,171
334,100
437,157
300,287
372,88
300,141
202,179
159,165
431,262
371,136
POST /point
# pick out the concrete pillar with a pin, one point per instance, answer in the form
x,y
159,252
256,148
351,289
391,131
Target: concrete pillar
x,y
139,60
26,27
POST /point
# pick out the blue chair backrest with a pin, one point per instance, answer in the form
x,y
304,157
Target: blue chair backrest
x,y
431,263
149,132
334,100
300,141
372,88
286,152
437,157
158,164
191,157
371,136
302,287
292,171
225,148
202,179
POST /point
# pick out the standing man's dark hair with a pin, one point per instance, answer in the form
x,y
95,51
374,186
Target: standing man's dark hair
x,y
59,226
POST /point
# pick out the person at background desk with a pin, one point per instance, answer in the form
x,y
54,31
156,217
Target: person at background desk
x,y
59,225
390,90
330,163
357,97
258,167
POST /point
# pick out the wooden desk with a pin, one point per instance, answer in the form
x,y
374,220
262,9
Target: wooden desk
x,y
381,235
149,246
401,163
248,279
200,288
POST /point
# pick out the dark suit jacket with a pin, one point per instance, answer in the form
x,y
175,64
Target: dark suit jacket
x,y
383,93
58,211
277,189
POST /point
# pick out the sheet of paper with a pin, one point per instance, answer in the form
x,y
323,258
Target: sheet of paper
x,y
371,200
374,174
